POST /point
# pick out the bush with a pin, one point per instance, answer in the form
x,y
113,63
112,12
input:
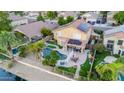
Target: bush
x,y
51,59
70,19
9,64
45,62
46,31
116,55
23,51
98,31
61,21
68,69
100,48
40,18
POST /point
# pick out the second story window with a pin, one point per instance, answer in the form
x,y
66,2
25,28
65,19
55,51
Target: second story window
x,y
110,41
120,42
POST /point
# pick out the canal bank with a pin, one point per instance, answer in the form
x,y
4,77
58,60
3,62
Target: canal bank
x,y
33,73
7,76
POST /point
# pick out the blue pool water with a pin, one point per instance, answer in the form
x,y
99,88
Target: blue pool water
x,y
122,77
6,76
47,52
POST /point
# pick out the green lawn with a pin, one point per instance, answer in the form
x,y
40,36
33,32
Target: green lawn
x,y
68,69
99,57
50,46
85,68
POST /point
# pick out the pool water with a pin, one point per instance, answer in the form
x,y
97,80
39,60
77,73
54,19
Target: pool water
x,y
47,52
122,77
6,76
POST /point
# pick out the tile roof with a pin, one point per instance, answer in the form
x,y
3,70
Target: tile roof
x,y
114,30
14,17
34,28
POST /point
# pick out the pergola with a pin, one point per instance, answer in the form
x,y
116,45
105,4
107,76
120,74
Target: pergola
x,y
76,44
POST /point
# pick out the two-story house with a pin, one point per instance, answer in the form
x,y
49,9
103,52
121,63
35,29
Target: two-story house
x,y
114,40
74,35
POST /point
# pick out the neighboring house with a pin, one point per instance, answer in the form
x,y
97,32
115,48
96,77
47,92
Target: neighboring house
x,y
65,14
32,16
114,40
17,19
91,16
74,35
110,16
33,29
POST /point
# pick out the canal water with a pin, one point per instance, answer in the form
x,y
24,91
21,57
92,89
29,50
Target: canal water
x,y
6,76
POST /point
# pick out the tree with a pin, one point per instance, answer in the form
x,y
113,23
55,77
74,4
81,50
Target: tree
x,y
36,48
46,31
51,14
61,20
5,22
51,59
70,19
119,17
104,13
100,48
109,71
40,18
21,13
7,41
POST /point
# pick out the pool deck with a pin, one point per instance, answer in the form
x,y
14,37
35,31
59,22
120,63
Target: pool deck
x,y
32,71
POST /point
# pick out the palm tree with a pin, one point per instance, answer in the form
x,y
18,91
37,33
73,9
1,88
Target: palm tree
x,y
109,71
7,41
36,48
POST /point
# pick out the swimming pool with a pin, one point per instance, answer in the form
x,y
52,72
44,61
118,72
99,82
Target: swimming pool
x,y
47,52
6,76
122,77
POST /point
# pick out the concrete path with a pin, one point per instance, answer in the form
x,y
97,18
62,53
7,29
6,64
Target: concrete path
x,y
81,61
33,73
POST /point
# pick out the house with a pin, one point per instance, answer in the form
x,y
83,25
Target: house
x,y
114,40
65,14
17,20
110,16
74,35
33,29
91,16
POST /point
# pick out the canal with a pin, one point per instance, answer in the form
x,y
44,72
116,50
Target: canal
x,y
6,76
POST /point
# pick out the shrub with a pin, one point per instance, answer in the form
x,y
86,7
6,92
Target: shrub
x,y
68,69
116,55
100,48
61,21
9,64
46,31
98,31
40,18
45,62
70,19
23,51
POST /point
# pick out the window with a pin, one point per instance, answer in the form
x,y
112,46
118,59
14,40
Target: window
x,y
122,53
110,41
120,42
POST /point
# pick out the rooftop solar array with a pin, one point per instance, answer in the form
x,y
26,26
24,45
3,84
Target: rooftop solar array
x,y
75,42
84,27
115,30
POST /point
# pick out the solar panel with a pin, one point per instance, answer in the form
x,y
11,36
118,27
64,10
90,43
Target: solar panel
x,y
73,41
84,27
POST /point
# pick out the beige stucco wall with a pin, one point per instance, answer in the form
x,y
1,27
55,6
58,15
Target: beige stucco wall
x,y
115,39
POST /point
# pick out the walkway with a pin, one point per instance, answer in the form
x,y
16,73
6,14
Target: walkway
x,y
81,61
27,69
